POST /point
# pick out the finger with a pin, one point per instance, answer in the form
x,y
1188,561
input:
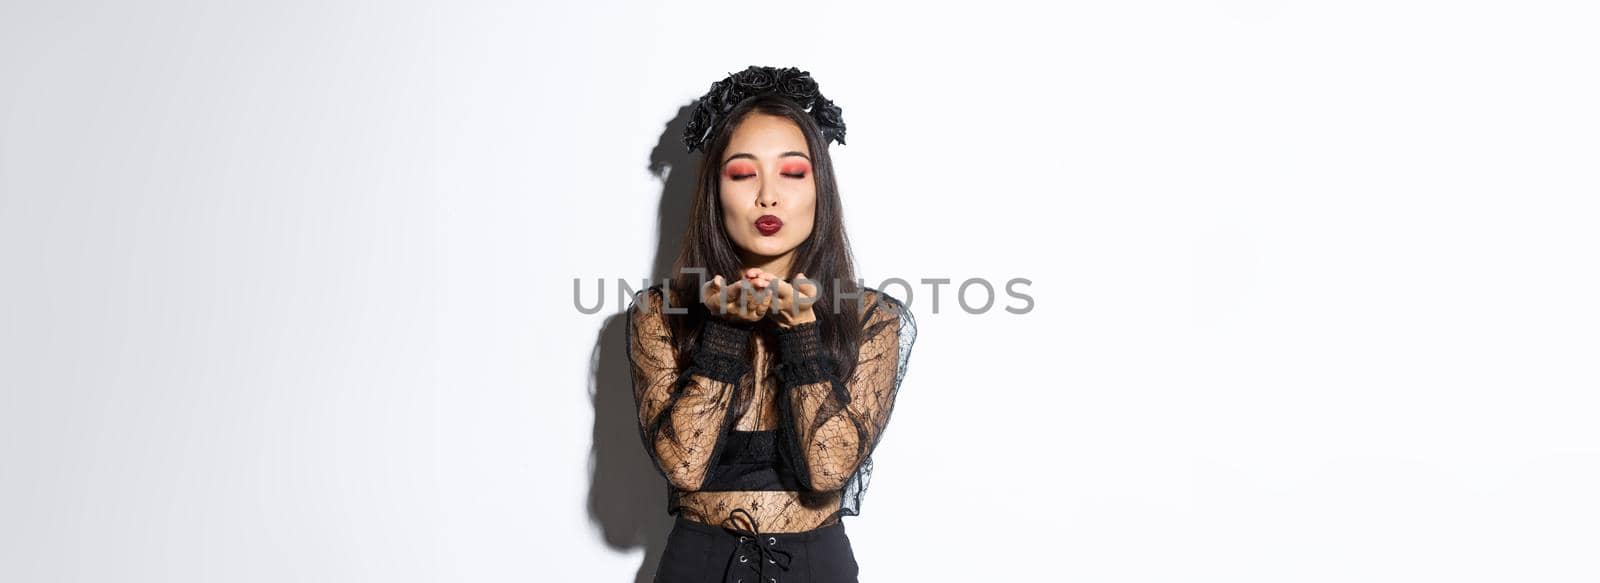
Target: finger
x,y
753,296
728,294
764,293
807,287
756,302
784,293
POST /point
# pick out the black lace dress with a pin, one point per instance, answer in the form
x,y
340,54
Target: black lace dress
x,y
759,420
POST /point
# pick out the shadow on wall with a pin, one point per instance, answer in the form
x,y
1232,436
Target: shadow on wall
x,y
627,495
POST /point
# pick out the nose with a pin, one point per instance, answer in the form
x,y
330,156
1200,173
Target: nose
x,y
767,197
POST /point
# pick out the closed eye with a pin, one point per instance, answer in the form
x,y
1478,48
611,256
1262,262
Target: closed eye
x,y
744,176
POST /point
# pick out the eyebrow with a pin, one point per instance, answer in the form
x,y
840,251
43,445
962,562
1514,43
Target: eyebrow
x,y
752,156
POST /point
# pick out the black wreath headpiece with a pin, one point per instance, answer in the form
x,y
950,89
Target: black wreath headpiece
x,y
789,82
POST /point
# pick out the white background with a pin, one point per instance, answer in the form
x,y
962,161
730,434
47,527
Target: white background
x,y
288,287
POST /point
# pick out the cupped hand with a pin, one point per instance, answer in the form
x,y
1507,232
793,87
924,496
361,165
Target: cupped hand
x,y
740,301
791,302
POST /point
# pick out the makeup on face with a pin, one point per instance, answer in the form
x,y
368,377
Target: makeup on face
x,y
739,170
792,166
769,225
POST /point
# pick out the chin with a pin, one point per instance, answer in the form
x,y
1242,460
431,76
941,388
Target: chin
x,y
769,247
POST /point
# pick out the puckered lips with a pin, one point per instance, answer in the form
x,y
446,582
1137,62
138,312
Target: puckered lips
x,y
769,224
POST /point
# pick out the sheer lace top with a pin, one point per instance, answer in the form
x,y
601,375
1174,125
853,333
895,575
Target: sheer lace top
x,y
823,429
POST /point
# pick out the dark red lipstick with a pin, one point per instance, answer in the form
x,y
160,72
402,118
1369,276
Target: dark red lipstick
x,y
768,224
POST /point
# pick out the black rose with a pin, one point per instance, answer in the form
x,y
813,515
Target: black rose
x,y
756,79
798,86
712,98
699,124
723,96
830,118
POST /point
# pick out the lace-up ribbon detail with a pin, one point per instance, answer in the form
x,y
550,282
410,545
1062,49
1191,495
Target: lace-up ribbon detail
x,y
754,553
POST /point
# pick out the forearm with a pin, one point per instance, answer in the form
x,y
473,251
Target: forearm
x,y
821,429
694,418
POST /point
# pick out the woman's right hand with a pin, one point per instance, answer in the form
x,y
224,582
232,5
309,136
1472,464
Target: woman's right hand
x,y
739,302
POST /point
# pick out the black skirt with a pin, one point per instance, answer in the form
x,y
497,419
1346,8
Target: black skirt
x,y
701,553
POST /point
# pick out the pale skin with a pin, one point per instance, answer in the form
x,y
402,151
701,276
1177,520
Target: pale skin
x,y
765,171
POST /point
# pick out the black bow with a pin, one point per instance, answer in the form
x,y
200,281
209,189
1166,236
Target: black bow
x,y
755,551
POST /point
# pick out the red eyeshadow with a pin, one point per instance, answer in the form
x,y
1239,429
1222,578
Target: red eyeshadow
x,y
739,168
795,167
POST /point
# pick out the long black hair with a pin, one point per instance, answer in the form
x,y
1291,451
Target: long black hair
x,y
824,256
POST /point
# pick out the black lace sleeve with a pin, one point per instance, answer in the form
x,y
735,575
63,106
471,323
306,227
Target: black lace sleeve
x,y
684,412
831,425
